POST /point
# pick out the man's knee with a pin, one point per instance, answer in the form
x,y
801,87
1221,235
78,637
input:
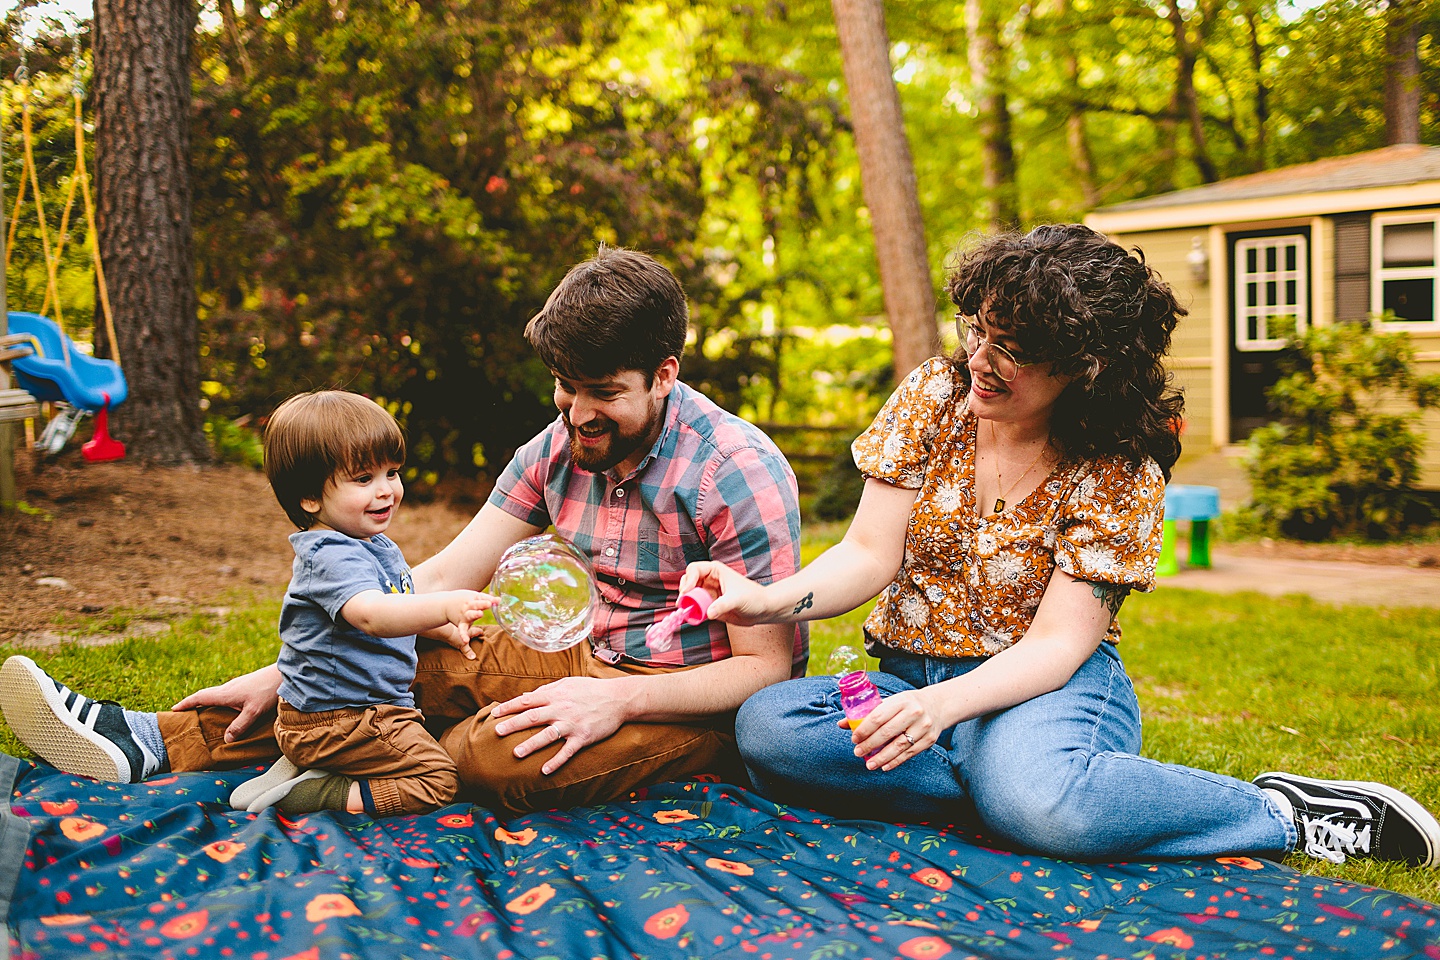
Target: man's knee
x,y
634,756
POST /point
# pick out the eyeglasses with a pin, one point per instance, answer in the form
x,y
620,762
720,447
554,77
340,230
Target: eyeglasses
x,y
1002,362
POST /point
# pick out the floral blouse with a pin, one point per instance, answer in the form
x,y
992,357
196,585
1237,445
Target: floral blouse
x,y
969,585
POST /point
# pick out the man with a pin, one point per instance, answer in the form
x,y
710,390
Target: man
x,y
643,475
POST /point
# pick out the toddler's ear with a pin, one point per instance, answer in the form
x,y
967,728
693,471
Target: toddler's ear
x,y
309,505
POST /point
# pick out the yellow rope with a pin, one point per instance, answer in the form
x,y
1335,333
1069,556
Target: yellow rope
x,y
53,255
84,178
60,240
51,270
15,220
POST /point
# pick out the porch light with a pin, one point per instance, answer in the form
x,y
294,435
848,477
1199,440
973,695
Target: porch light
x,y
1199,261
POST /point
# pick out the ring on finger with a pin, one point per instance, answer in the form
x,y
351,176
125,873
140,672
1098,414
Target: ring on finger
x,y
908,739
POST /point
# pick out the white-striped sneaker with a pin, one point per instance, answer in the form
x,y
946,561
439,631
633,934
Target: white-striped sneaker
x,y
1337,819
78,735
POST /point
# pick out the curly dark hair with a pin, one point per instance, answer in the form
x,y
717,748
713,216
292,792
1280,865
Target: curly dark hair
x,y
1096,313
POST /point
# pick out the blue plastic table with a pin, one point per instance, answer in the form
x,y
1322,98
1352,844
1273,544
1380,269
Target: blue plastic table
x,y
1199,505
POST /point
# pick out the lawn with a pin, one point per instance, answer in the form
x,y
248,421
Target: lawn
x,y
1236,684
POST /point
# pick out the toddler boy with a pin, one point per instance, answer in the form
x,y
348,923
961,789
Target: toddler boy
x,y
348,728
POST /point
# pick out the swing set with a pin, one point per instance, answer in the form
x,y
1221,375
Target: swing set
x,y
46,363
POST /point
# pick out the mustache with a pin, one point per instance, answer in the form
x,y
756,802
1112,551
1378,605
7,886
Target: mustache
x,y
606,426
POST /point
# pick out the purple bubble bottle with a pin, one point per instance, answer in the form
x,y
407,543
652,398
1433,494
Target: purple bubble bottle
x,y
858,696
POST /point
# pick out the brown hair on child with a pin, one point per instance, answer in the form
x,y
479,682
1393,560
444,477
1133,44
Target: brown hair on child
x,y
312,437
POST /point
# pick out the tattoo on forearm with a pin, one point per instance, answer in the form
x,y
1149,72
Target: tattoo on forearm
x,y
1110,595
806,602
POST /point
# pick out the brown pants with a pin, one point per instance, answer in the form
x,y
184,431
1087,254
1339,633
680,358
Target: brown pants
x,y
455,695
387,747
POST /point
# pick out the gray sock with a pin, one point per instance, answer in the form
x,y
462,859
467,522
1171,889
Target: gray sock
x,y
145,728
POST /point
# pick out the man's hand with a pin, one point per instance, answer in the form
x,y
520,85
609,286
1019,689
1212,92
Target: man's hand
x,y
578,710
251,694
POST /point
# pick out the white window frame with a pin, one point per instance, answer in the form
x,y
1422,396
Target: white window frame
x,y
1301,275
1379,273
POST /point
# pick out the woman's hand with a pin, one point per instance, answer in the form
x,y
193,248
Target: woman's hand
x,y
737,600
902,726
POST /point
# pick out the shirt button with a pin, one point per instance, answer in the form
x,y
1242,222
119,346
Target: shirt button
x,y
621,581
609,551
619,492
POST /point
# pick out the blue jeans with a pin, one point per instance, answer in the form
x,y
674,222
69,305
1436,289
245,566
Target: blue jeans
x,y
1058,774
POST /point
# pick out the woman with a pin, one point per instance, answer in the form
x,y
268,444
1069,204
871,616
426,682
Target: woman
x,y
1011,503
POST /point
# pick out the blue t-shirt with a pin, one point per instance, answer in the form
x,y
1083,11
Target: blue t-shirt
x,y
326,663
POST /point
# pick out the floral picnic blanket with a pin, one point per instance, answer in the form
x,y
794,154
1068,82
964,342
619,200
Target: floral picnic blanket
x,y
165,869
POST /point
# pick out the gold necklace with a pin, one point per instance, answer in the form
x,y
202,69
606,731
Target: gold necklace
x,y
1000,500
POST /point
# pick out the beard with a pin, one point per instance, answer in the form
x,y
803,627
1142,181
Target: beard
x,y
617,445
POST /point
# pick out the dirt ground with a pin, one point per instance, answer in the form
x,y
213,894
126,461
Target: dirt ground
x,y
127,548
134,546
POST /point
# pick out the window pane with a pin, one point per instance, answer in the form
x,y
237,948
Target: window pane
x,y
1269,259
1251,263
1270,289
1290,259
1251,292
1409,245
1411,299
1290,300
1252,328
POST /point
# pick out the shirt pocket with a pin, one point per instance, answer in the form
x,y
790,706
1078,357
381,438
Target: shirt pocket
x,y
664,553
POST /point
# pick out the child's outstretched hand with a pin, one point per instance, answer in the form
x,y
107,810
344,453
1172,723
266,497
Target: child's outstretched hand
x,y
462,609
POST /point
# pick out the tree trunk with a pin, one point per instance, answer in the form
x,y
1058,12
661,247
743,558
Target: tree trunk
x,y
1185,102
1262,92
142,180
1402,73
986,57
237,39
887,178
1081,156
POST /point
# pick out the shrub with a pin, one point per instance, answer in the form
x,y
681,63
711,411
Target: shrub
x,y
232,441
1342,457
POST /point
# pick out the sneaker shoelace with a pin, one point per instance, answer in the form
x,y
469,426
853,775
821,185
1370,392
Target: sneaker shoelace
x,y
1329,839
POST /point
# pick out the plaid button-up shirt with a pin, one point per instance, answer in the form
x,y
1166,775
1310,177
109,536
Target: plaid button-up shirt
x,y
713,487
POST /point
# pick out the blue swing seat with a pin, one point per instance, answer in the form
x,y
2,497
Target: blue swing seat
x,y
82,382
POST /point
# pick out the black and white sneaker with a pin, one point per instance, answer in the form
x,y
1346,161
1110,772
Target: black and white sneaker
x,y
74,733
1342,818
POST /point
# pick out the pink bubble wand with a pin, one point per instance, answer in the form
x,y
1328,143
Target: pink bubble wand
x,y
689,609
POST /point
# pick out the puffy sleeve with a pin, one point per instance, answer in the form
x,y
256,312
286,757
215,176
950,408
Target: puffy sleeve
x,y
896,446
1109,528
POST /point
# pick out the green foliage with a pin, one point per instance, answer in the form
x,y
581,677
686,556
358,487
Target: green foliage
x,y
838,493
233,442
384,198
386,191
1343,455
50,59
1328,97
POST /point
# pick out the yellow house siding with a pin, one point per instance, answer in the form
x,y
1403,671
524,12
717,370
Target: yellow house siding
x,y
1427,346
1199,421
1191,354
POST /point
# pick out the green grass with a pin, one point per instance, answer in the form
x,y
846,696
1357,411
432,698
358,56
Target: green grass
x,y
1236,684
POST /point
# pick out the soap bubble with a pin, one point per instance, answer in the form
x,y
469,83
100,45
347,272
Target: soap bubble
x,y
845,659
547,593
